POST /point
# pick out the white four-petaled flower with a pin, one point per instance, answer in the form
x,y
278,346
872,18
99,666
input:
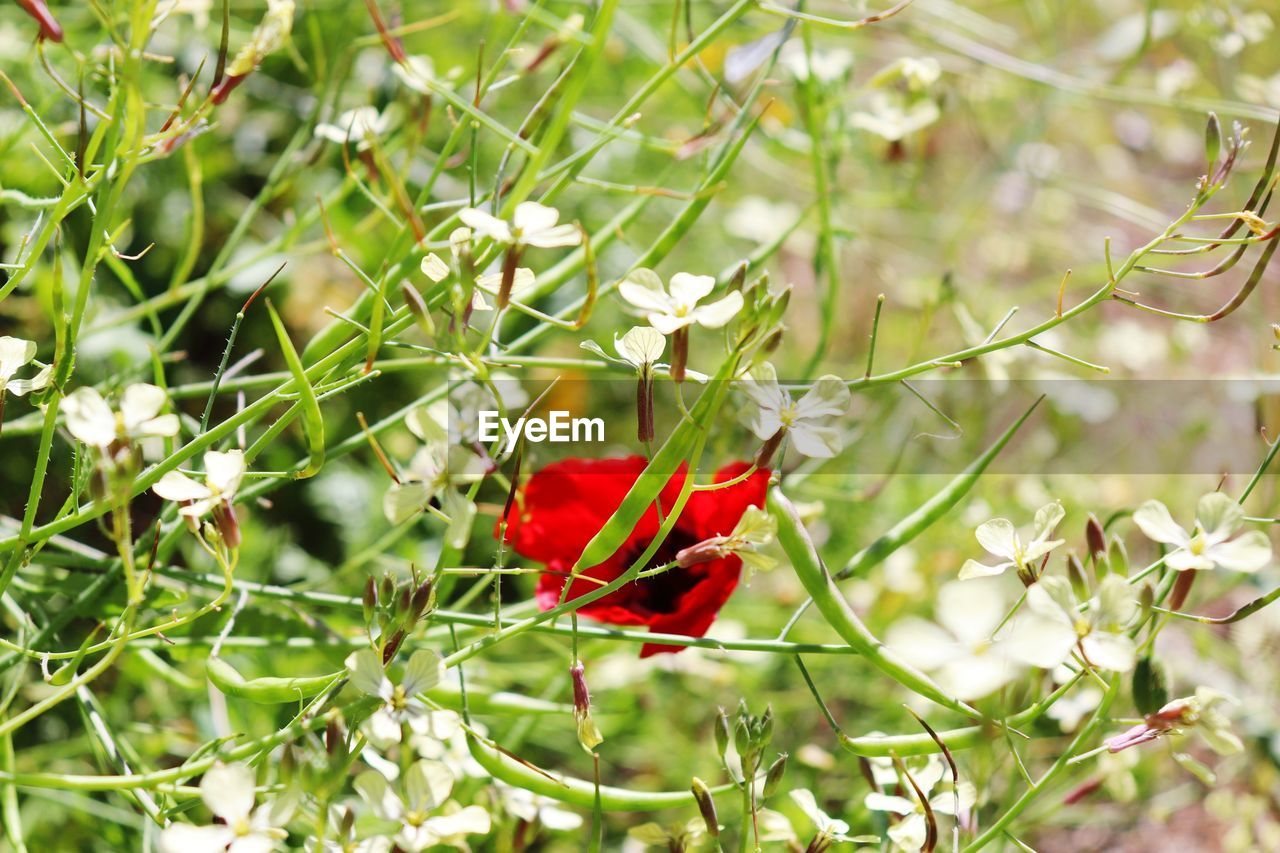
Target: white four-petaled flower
x,y
808,421
223,472
423,810
1053,624
356,126
911,832
1210,545
675,307
1001,539
531,224
92,421
228,792
961,653
400,704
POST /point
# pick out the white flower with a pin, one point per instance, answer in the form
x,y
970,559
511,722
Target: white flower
x,y
16,353
426,788
197,9
676,307
227,790
910,832
532,224
919,72
999,537
355,126
399,701
1053,624
830,830
675,836
531,808
827,65
807,421
1078,701
222,475
891,117
92,421
432,473
1210,545
961,653
416,72
489,283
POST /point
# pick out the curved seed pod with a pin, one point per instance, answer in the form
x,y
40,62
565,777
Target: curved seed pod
x,y
266,691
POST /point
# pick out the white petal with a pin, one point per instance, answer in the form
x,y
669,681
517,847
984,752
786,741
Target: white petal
x,y
686,289
403,501
473,820
89,418
531,217
427,785
1218,515
1039,548
998,537
227,789
641,345
23,387
373,788
973,677
716,314
140,403
1039,641
878,802
1115,603
817,442
462,513
1048,517
434,268
165,425
176,486
382,729
828,397
668,323
808,804
486,225
973,569
1154,521
367,675
422,672
14,353
561,235
1247,553
643,289
1106,650
255,843
921,643
1183,560
910,834
971,609
185,838
224,470
431,422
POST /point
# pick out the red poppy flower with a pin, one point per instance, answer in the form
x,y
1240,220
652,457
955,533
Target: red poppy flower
x,y
566,503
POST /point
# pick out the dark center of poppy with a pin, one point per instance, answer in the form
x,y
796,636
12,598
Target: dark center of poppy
x,y
663,593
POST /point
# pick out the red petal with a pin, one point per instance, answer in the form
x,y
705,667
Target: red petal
x,y
616,608
716,512
698,607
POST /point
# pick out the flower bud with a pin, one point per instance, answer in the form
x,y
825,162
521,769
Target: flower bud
x,y
1181,588
588,735
707,806
422,598
370,601
774,777
1095,537
418,308
224,515
702,552
1075,573
392,646
722,733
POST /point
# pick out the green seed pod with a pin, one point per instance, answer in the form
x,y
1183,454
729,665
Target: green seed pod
x,y
265,691
707,806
